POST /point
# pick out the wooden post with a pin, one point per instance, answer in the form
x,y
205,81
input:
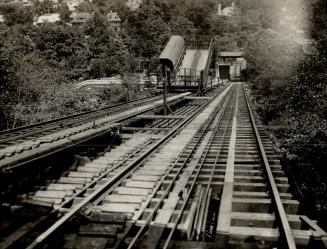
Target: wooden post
x,y
166,77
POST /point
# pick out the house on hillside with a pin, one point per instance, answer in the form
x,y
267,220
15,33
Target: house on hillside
x,y
227,11
47,18
114,20
24,2
77,19
133,4
72,4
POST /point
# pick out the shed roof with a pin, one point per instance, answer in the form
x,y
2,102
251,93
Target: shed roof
x,y
231,54
80,17
100,83
51,18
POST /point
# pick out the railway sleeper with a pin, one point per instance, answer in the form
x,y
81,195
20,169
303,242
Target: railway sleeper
x,y
262,205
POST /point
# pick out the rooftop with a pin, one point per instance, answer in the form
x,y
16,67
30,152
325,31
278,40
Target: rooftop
x,y
100,83
133,4
81,17
48,18
231,54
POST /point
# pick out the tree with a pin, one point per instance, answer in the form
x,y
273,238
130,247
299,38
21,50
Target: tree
x,y
180,25
269,54
16,15
64,12
56,42
43,7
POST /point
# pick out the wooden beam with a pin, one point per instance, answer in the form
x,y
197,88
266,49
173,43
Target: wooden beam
x,y
199,97
144,129
160,117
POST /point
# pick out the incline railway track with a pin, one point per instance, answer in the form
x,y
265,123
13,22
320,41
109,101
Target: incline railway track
x,y
33,131
24,163
204,177
78,182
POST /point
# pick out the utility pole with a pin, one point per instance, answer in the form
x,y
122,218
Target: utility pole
x,y
166,74
166,77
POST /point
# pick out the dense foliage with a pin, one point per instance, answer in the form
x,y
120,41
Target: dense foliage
x,y
289,85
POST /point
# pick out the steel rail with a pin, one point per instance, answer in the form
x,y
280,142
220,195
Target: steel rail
x,y
283,224
99,191
103,175
215,164
180,214
164,195
219,122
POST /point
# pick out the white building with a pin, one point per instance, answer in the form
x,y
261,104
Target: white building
x,y
24,2
114,20
47,18
72,4
228,11
2,19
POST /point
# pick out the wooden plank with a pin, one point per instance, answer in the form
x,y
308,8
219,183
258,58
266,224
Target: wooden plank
x,y
103,230
145,178
313,226
155,167
24,229
81,174
44,201
53,194
118,208
254,232
132,191
101,217
225,209
72,180
243,219
150,172
61,187
145,129
161,117
170,204
90,169
198,97
124,198
81,242
140,184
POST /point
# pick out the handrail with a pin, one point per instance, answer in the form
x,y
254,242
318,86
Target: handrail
x,y
181,57
205,71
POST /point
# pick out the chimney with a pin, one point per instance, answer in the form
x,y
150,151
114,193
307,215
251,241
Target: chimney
x,y
233,5
219,9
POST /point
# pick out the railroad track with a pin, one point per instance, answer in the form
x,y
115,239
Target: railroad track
x,y
78,182
208,180
21,134
14,155
24,165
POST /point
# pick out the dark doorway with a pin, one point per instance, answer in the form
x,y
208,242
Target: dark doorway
x,y
224,71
